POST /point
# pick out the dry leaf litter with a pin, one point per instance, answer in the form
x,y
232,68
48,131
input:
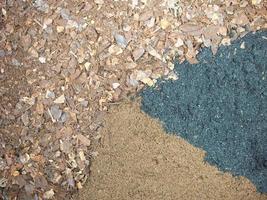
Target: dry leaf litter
x,y
78,58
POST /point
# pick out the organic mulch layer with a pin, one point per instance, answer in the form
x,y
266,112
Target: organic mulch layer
x,y
138,160
220,105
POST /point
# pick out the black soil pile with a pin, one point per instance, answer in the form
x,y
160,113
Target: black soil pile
x,y
220,105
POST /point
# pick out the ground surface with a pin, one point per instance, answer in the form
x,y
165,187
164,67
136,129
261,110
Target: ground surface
x,y
64,63
138,160
220,105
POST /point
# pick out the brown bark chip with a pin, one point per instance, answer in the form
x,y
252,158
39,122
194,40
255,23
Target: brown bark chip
x,y
138,160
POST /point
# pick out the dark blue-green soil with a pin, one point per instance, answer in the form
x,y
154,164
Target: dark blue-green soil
x,y
220,105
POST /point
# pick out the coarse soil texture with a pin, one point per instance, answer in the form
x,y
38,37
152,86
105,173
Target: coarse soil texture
x,y
138,160
220,105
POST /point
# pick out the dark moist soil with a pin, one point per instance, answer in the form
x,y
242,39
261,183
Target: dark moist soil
x,y
220,105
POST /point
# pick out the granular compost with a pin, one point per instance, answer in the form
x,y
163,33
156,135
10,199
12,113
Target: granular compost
x,y
220,105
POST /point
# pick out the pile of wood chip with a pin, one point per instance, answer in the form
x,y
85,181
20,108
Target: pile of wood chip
x,y
79,58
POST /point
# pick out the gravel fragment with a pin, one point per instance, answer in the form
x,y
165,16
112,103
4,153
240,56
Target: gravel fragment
x,y
2,53
60,99
49,194
138,53
50,94
64,117
56,112
120,39
25,119
41,5
15,62
42,59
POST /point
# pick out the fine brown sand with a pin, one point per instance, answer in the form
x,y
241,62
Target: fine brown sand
x,y
138,160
